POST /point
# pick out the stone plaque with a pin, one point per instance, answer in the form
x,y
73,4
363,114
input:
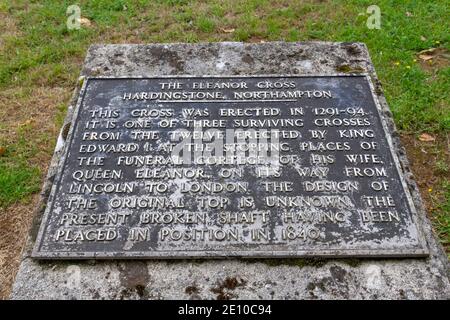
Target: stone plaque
x,y
273,166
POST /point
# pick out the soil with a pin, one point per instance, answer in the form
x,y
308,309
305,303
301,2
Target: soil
x,y
435,59
36,111
8,27
424,158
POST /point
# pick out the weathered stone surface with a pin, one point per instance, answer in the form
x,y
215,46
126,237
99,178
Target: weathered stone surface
x,y
421,278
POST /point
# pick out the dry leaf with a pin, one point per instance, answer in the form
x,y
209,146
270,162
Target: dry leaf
x,y
2,151
85,22
425,57
423,38
231,30
425,137
427,51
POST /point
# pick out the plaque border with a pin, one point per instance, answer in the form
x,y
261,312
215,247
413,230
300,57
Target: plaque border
x,y
420,251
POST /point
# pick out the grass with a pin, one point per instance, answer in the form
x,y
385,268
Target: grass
x,y
441,216
18,178
38,50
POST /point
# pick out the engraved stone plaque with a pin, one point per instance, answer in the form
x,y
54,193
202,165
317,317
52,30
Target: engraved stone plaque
x,y
185,167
